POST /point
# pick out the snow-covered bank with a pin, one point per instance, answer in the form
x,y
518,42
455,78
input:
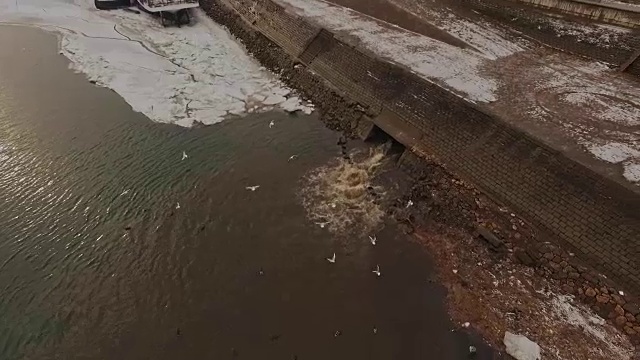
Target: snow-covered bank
x,y
455,68
172,75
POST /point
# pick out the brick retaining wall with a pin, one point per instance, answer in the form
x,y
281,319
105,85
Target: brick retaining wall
x,y
595,216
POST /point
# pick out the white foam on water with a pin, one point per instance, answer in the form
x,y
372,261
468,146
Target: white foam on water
x,y
340,194
195,73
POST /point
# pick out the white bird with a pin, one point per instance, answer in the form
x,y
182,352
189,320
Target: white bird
x,y
322,224
375,330
377,270
125,192
184,155
292,157
271,124
466,324
178,206
409,203
252,188
332,259
373,239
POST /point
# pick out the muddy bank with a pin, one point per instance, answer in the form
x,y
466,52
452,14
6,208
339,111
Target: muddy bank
x,y
337,112
502,276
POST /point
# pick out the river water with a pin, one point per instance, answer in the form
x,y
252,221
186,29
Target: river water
x,y
114,247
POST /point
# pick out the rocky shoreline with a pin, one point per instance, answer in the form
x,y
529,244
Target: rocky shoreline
x,y
479,245
446,211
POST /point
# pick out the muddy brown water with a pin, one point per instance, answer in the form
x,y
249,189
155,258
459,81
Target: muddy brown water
x,y
98,262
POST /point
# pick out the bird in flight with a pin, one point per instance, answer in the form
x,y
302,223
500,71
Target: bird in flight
x,y
184,155
271,124
373,239
332,259
409,203
178,206
252,188
322,224
292,157
377,270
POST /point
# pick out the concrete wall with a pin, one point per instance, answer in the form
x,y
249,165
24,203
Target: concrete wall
x,y
632,65
567,202
609,13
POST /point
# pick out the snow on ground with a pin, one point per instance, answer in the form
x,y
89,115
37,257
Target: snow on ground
x,y
453,67
173,75
487,38
586,101
547,314
596,34
605,109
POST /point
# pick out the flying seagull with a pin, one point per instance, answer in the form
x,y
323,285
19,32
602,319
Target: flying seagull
x,y
377,270
332,259
409,203
271,124
252,188
373,239
184,155
292,157
322,224
178,206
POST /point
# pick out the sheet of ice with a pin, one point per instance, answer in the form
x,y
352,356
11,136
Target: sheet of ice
x,y
450,66
196,73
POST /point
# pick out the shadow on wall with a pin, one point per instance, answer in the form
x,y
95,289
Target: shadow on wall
x,y
111,4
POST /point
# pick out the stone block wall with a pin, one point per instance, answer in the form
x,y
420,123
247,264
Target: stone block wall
x,y
288,31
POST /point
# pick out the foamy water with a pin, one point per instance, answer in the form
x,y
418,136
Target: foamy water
x,y
343,196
